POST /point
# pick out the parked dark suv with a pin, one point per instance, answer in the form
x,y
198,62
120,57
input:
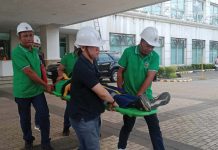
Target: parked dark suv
x,y
107,66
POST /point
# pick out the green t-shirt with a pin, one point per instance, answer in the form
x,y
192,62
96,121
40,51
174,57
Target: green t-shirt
x,y
23,86
68,61
136,69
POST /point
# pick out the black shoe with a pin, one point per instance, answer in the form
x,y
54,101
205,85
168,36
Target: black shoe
x,y
66,131
47,147
145,102
29,144
160,100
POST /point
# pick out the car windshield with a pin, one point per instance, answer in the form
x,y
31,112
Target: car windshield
x,y
116,56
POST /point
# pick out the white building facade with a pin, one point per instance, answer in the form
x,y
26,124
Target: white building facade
x,y
188,30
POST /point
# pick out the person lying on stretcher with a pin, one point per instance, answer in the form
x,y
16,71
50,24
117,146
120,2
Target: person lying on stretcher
x,y
125,100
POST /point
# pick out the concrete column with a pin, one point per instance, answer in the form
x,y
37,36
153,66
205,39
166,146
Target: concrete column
x,y
71,40
207,12
6,66
167,45
206,52
103,22
188,52
49,35
14,39
167,48
189,10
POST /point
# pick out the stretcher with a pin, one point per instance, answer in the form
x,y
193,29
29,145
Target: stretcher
x,y
62,87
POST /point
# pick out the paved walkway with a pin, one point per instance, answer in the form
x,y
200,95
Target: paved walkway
x,y
189,122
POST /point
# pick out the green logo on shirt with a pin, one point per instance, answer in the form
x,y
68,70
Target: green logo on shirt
x,y
146,64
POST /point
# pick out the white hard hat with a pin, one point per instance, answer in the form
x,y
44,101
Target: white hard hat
x,y
150,35
23,26
37,39
88,36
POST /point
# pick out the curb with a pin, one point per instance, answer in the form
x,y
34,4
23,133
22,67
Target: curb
x,y
185,72
194,71
176,80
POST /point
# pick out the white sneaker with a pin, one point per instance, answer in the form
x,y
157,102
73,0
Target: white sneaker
x,y
145,102
160,100
37,128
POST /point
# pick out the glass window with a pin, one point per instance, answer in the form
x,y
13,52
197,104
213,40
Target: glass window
x,y
153,9
119,42
177,50
177,9
214,14
159,50
213,51
181,4
63,46
173,4
5,52
197,51
104,57
198,10
147,9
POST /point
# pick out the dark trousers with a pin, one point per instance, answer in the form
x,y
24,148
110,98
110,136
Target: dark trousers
x,y
36,120
66,116
41,107
153,127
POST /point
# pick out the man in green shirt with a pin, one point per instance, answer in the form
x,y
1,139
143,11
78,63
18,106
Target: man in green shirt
x,y
138,66
28,87
66,66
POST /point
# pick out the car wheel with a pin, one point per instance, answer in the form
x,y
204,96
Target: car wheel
x,y
113,77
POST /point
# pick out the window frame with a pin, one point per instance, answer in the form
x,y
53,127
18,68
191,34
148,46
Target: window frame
x,y
196,16
122,43
179,13
198,47
212,55
177,47
213,16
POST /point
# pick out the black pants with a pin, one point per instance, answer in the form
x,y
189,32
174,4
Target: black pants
x,y
153,127
66,116
41,107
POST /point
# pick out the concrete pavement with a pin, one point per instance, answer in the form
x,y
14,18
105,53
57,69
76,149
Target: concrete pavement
x,y
189,122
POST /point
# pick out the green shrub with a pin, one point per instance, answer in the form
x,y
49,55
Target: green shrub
x,y
205,66
184,68
209,66
172,75
170,69
170,72
196,66
161,72
167,72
